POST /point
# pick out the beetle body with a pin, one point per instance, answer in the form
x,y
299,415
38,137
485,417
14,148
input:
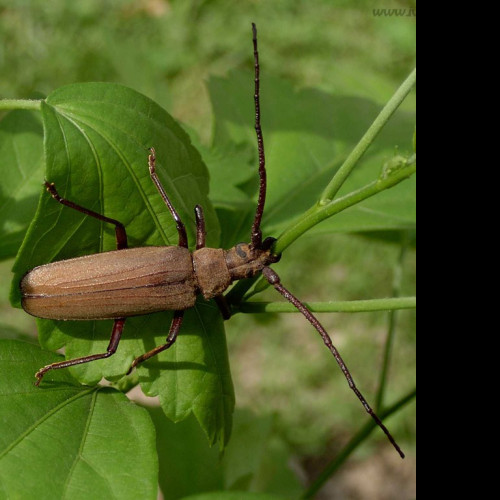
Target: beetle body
x,y
111,285
135,281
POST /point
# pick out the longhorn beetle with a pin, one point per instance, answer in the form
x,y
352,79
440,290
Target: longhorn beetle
x,y
133,281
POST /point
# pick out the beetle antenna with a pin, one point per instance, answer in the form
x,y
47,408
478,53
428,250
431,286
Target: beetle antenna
x,y
256,236
181,229
275,281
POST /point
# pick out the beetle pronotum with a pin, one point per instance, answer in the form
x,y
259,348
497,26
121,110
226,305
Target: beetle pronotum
x,y
134,281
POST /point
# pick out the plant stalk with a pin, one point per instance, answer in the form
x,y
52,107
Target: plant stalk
x,y
319,213
347,306
12,104
365,142
391,327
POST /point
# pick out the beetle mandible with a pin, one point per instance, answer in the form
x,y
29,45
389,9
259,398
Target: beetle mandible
x,y
134,281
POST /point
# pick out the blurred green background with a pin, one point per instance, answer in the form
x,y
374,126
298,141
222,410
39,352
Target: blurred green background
x,y
168,50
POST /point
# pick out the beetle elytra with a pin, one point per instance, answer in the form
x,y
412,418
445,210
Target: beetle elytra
x,y
135,281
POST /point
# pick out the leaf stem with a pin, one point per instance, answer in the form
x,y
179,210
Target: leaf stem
x,y
391,327
347,306
11,104
351,161
358,439
318,213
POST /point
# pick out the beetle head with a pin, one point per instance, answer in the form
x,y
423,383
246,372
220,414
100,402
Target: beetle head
x,y
245,261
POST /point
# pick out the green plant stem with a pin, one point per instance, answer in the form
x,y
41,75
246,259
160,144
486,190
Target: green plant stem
x,y
347,306
358,439
365,142
11,104
319,213
391,328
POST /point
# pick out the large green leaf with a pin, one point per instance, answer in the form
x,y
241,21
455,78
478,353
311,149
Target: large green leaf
x,y
67,441
194,375
187,464
96,146
21,168
307,135
256,459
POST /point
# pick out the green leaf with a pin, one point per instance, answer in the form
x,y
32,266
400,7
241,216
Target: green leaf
x,y
194,376
96,147
307,135
21,156
187,464
97,137
256,459
64,440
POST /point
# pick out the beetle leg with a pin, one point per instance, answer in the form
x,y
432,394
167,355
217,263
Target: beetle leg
x,y
121,235
181,229
223,306
172,337
113,345
275,281
200,227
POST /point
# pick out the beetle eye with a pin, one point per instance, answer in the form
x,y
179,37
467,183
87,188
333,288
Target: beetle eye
x,y
240,250
276,258
268,243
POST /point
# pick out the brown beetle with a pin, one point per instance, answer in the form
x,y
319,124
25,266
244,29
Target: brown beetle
x,y
134,281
